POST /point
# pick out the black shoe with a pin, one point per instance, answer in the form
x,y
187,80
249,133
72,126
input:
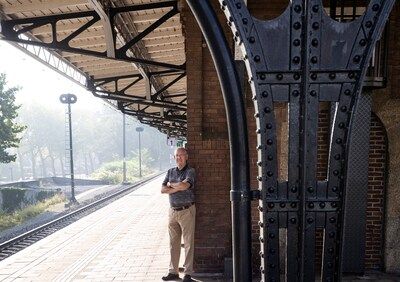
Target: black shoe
x,y
187,278
170,276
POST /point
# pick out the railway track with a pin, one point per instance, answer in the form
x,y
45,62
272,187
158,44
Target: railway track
x,y
20,242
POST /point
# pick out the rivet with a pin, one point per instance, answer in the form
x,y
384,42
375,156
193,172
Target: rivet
x,y
258,131
338,141
272,251
293,189
332,76
342,125
296,42
271,220
293,220
259,178
337,157
282,205
264,94
297,8
293,205
332,220
270,173
252,39
271,206
270,157
244,21
238,5
333,204
343,108
313,93
314,76
271,235
310,220
297,25
311,205
270,142
336,172
296,76
259,147
357,59
269,125
279,76
315,8
347,92
272,265
256,58
260,224
330,250
363,42
262,76
259,163
331,234
256,115
315,25
224,3
334,189
296,60
310,189
314,42
322,205
271,189
261,239
254,97
260,208
330,264
314,60
375,7
351,75
295,93
261,254
267,109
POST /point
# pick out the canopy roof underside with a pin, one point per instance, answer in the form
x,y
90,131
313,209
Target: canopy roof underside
x,y
130,52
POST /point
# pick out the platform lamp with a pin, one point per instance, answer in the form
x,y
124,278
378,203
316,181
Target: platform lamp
x,y
70,99
139,130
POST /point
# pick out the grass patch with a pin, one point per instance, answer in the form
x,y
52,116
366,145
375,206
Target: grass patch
x,y
8,220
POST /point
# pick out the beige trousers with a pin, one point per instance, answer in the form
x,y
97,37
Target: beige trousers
x,y
181,223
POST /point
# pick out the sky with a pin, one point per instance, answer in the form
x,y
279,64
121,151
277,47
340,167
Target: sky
x,y
40,83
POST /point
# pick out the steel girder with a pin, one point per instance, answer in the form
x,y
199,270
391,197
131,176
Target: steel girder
x,y
12,29
302,58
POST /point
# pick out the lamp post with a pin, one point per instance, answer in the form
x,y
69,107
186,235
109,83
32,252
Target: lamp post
x,y
70,99
123,150
139,130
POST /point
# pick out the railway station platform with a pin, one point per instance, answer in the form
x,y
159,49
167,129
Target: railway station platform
x,y
125,241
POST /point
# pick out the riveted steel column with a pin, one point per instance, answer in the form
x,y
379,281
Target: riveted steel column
x,y
237,127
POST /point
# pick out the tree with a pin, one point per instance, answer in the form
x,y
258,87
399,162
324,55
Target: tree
x,y
9,129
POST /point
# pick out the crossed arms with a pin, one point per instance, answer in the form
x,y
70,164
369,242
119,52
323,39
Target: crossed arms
x,y
173,187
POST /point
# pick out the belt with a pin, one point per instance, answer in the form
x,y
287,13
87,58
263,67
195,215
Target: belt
x,y
182,207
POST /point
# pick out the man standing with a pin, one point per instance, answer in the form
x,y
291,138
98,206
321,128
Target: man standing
x,y
179,184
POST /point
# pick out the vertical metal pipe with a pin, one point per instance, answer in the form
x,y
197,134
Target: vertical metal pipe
x,y
238,140
140,157
71,155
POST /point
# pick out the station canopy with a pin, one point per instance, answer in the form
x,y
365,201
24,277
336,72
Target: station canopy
x,y
129,52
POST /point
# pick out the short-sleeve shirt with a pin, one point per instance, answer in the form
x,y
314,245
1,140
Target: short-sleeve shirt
x,y
181,198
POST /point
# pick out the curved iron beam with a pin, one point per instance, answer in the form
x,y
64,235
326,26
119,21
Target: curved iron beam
x,y
238,139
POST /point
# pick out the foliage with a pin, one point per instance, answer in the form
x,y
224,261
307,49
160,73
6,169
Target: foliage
x,y
18,217
113,171
9,129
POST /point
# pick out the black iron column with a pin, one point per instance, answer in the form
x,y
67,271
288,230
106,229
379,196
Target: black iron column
x,y
237,127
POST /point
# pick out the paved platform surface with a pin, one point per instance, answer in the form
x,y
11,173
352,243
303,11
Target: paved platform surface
x,y
124,241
